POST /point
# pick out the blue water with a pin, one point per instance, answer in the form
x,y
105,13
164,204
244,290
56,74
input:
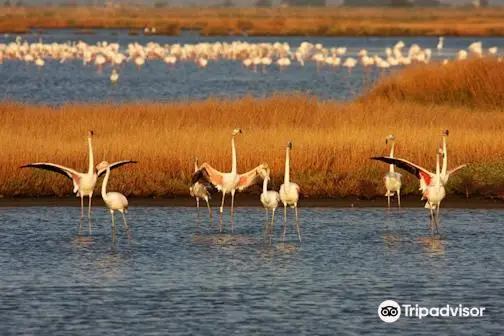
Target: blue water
x,y
170,280
57,83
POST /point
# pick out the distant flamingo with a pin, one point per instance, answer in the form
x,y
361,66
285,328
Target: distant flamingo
x,y
83,183
289,193
229,182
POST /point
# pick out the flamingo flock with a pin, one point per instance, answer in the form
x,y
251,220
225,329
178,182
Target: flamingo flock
x,y
252,56
207,179
432,184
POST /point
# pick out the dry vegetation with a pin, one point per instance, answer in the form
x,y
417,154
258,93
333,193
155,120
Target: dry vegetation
x,y
477,83
330,21
332,141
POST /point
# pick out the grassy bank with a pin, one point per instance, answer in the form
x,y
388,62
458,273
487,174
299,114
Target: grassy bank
x,y
329,21
332,141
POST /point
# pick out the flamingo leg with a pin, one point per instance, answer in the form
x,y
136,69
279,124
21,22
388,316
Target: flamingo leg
x,y
220,211
388,198
297,222
232,209
284,221
208,206
82,213
431,219
113,225
438,218
126,227
266,228
272,224
197,204
89,213
399,197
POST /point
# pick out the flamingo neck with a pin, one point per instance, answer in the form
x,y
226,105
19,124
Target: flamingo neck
x,y
265,185
438,173
445,157
391,168
104,184
287,167
91,158
233,154
196,165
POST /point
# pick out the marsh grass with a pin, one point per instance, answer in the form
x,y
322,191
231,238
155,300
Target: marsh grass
x,y
328,21
332,143
476,83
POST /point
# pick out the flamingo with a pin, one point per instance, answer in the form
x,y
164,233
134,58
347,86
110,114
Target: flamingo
x,y
200,190
433,191
115,201
269,200
289,193
114,76
83,183
229,182
445,173
392,179
440,43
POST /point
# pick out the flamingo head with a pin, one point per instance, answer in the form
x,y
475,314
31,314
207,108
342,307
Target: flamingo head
x,y
237,131
445,132
390,137
90,134
264,170
102,165
289,145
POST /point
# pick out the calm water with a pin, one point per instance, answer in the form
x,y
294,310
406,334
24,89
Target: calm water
x,y
168,282
58,83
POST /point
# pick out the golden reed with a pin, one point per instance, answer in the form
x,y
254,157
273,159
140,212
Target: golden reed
x,y
328,21
332,141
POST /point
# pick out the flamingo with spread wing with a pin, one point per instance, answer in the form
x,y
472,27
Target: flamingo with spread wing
x,y
83,183
229,183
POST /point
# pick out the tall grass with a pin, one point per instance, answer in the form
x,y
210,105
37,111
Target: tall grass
x,y
327,21
475,83
330,158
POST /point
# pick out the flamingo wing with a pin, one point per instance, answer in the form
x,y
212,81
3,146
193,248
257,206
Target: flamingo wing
x,y
65,171
114,165
247,179
451,171
419,172
206,174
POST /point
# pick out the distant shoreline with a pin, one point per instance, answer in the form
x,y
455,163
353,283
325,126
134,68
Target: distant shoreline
x,y
236,21
454,202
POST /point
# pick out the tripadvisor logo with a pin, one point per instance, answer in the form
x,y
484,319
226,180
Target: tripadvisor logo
x,y
389,311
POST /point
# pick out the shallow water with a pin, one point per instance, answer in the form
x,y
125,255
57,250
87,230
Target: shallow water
x,y
169,280
58,83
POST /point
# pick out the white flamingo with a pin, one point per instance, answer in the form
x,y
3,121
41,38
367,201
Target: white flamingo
x,y
392,179
200,190
440,43
289,193
115,201
431,183
269,200
434,194
114,76
83,183
229,182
